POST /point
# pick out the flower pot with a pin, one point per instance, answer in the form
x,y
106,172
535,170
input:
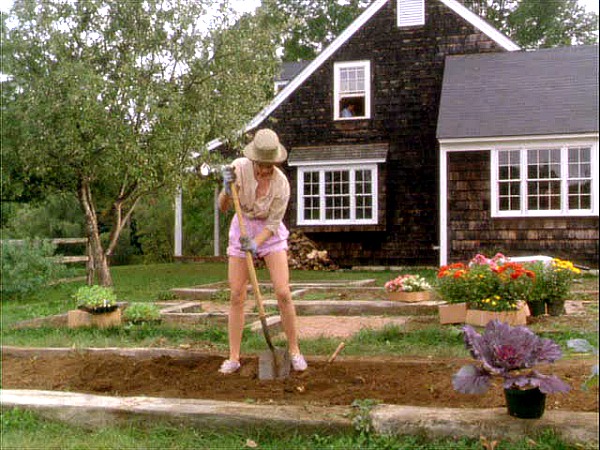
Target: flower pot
x,y
481,318
409,297
537,308
525,404
453,313
556,307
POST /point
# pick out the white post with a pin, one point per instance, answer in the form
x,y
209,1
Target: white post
x,y
217,252
443,192
178,222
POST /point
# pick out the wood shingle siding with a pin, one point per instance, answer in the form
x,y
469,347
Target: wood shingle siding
x,y
473,230
406,75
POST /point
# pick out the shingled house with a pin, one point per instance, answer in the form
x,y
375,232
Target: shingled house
x,y
389,185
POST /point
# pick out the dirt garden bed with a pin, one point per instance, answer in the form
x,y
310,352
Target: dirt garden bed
x,y
417,382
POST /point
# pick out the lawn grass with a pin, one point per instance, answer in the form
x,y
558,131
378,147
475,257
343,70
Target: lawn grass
x,y
23,429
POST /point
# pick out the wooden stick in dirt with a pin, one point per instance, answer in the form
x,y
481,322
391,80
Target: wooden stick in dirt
x,y
337,351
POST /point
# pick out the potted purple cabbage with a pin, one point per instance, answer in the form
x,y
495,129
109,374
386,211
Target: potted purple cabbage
x,y
510,353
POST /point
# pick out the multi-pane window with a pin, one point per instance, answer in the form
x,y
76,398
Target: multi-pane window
x,y
336,195
352,90
553,180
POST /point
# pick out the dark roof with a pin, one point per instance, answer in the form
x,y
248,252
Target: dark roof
x,y
340,153
290,69
550,91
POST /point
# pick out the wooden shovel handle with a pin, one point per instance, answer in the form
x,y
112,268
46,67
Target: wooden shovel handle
x,y
250,264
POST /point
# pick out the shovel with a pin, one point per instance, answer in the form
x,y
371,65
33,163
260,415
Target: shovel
x,y
274,363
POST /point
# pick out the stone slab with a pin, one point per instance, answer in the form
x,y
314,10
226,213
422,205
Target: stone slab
x,y
361,307
574,427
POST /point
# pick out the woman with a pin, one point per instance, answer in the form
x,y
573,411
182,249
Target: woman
x,y
264,192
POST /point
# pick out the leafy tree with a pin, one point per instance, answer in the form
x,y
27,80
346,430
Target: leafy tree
x,y
109,99
540,24
312,24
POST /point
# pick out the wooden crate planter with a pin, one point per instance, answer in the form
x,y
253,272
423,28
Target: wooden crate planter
x,y
481,318
77,318
409,297
453,313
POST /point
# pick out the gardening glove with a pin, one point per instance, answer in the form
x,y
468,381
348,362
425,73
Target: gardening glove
x,y
248,245
228,174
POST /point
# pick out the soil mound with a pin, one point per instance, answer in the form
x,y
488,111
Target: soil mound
x,y
417,382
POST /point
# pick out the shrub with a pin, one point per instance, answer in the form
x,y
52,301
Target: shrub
x,y
28,265
95,297
142,312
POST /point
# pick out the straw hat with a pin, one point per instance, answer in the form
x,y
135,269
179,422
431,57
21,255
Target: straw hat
x,y
265,148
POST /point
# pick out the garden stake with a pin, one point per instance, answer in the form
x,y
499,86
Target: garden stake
x,y
337,352
276,362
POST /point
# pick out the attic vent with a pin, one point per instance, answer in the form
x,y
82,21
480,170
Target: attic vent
x,y
411,13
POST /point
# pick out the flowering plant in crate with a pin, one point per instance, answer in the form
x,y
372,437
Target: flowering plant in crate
x,y
510,353
489,284
408,283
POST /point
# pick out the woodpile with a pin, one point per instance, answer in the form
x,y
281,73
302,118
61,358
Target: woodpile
x,y
303,254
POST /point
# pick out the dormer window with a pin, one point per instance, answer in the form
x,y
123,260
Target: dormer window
x,y
411,13
352,90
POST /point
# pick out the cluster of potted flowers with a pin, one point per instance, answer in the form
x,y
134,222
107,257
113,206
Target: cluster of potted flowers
x,y
498,288
408,288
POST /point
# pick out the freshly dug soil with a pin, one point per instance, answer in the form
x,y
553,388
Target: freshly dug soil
x,y
418,382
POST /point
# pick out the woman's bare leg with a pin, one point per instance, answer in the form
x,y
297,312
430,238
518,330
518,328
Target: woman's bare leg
x,y
280,277
238,282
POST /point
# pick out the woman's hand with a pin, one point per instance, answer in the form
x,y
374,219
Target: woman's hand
x,y
228,174
248,244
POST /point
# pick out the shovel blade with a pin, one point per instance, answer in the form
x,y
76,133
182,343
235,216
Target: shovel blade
x,y
274,365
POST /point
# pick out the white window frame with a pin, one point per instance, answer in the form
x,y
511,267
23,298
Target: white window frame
x,y
410,13
564,179
337,94
321,168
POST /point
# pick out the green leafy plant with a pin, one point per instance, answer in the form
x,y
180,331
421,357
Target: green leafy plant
x,y
95,298
142,312
28,265
361,415
553,280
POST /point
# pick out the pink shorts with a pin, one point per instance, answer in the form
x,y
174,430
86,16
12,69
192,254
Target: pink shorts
x,y
275,243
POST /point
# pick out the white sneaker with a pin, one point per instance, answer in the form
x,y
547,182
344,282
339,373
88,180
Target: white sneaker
x,y
299,363
229,366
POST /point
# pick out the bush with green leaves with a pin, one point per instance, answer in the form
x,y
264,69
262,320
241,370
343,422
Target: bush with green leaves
x,y
95,296
142,312
28,265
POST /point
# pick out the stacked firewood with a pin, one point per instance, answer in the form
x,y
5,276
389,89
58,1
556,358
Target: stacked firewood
x,y
303,254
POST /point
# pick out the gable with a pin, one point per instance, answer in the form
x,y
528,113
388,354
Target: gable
x,y
471,18
550,91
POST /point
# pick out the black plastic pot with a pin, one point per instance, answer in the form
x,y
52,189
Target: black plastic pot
x,y
525,404
556,307
537,308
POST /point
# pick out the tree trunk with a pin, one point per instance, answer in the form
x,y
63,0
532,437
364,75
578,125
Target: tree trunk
x,y
99,259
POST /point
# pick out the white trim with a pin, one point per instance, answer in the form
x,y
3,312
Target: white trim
x,y
366,66
351,168
487,143
483,26
367,14
524,212
326,163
